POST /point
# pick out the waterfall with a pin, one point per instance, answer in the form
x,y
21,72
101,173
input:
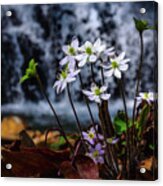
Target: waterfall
x,y
39,31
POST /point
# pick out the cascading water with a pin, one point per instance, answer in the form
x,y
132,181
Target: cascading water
x,y
39,31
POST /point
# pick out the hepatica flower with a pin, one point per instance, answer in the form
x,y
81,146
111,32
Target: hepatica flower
x,y
90,136
66,76
97,94
90,52
96,153
71,52
147,96
117,66
113,140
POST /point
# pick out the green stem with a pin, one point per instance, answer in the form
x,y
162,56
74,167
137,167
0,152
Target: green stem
x,y
53,110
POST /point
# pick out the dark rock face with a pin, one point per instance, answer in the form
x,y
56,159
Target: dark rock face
x,y
39,31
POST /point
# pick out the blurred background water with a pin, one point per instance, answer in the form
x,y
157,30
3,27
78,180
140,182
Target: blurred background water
x,y
39,31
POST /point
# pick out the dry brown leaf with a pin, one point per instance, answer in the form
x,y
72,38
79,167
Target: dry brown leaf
x,y
147,163
69,171
11,127
29,164
34,162
86,167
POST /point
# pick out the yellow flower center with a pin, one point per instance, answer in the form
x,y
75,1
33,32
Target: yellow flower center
x,y
88,50
91,135
95,153
114,65
97,91
146,95
110,140
71,51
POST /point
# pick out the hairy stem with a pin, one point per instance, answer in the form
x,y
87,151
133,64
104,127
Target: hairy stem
x,y
75,114
137,85
127,125
102,76
88,107
93,75
111,162
53,110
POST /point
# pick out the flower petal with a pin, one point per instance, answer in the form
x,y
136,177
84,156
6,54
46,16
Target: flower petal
x,y
63,86
151,96
117,73
109,73
64,61
106,66
103,88
121,56
65,49
75,43
70,79
88,44
97,43
100,160
125,61
115,140
87,93
109,49
97,99
83,62
98,147
79,57
92,58
92,98
85,135
141,94
123,67
105,96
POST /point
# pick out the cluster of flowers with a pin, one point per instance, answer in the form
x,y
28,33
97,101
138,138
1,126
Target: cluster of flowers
x,y
76,57
96,148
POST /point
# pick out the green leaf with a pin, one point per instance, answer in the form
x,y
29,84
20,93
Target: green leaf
x,y
143,118
141,25
152,146
58,144
24,78
124,143
31,63
31,71
119,123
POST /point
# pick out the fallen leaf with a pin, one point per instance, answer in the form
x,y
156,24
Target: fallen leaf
x,y
11,127
26,140
147,163
29,164
69,171
86,167
35,162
